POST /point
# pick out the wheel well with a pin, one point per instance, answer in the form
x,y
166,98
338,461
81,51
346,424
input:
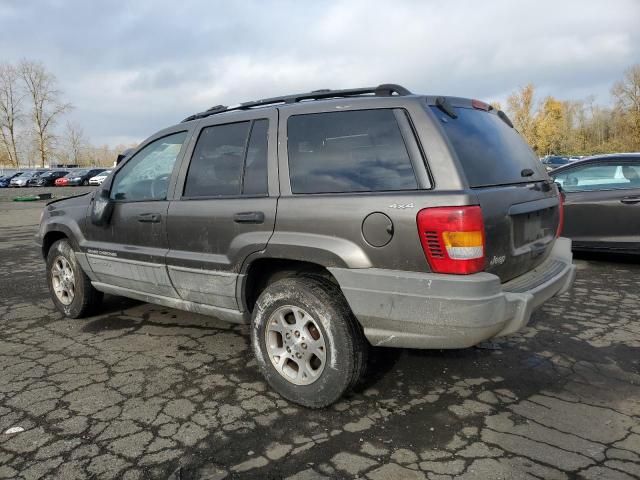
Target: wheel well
x,y
49,239
265,271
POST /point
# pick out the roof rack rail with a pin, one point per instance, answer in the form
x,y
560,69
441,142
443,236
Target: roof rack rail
x,y
384,90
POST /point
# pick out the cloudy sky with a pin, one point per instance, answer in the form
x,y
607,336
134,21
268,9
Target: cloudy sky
x,y
133,67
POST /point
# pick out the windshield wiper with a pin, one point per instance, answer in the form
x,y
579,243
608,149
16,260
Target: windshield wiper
x,y
443,104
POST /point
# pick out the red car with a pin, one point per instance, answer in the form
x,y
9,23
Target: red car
x,y
62,181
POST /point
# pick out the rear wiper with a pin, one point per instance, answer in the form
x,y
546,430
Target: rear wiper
x,y
526,172
443,104
504,118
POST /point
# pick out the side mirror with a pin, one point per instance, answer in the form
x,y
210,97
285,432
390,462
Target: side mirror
x,y
102,208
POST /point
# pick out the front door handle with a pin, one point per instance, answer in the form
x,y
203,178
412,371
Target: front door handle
x,y
249,217
630,200
149,218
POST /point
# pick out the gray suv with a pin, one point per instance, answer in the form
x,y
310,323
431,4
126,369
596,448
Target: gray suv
x,y
331,221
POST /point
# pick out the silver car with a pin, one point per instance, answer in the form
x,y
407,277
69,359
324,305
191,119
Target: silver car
x,y
21,180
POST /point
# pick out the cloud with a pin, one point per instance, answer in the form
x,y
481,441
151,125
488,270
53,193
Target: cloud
x,y
131,68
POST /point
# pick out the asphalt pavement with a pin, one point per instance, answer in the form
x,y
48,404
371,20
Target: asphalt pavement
x,y
142,391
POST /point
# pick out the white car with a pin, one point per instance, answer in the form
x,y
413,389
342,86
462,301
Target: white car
x,y
98,179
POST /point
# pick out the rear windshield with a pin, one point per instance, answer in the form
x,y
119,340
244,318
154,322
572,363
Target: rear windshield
x,y
491,152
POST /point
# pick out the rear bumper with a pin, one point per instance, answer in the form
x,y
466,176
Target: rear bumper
x,y
426,310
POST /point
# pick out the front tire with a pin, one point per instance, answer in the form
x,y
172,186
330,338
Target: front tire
x,y
70,288
308,345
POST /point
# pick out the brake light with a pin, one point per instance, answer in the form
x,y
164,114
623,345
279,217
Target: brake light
x,y
453,238
560,214
480,105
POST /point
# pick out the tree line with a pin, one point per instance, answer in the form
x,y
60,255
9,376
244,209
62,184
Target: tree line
x,y
579,127
32,110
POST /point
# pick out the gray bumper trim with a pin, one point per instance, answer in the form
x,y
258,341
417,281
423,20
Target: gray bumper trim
x,y
426,310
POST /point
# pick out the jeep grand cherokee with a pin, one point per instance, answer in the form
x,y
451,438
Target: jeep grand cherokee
x,y
331,221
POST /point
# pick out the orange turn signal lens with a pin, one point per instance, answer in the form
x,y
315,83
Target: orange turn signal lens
x,y
462,239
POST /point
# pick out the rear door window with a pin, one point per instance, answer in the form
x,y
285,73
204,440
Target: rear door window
x,y
227,162
356,151
255,168
216,164
490,151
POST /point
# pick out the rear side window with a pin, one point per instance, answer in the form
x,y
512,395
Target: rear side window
x,y
357,151
491,152
226,162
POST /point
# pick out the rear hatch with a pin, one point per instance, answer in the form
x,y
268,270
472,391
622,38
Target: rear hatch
x,y
519,202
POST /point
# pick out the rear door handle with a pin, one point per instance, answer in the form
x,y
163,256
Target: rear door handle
x,y
149,218
249,217
630,200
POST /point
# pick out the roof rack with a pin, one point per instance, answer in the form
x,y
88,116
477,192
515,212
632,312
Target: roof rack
x,y
384,90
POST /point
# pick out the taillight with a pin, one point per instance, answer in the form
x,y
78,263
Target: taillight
x,y
560,214
453,238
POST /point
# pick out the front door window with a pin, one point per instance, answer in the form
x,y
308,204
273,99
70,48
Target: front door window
x,y
146,176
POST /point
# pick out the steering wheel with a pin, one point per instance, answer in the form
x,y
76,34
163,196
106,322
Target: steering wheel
x,y
160,186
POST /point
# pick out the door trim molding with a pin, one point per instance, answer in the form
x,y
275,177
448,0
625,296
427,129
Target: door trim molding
x,y
202,271
123,260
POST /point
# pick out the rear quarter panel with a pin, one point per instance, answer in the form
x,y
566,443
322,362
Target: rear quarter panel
x,y
327,228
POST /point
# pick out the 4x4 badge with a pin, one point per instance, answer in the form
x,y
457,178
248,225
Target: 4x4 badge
x,y
402,206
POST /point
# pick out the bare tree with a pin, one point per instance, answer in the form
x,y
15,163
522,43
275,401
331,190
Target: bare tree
x,y
11,96
75,143
47,106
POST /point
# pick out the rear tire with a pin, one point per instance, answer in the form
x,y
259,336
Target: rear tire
x,y
308,345
70,288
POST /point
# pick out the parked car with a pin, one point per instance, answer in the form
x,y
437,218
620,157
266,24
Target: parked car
x,y
552,162
32,182
77,177
47,179
62,181
331,221
6,179
23,179
602,202
98,179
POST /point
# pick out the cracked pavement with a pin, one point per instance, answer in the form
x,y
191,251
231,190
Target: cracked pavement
x,y
143,391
